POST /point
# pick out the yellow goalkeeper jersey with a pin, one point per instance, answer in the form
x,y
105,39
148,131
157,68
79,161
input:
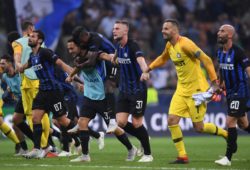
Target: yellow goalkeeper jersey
x,y
185,54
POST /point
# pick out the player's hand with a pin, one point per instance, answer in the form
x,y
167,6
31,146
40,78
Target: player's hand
x,y
145,76
215,88
69,79
88,60
19,68
80,87
114,59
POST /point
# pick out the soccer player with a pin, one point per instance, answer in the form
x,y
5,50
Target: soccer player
x,y
29,81
3,126
20,126
132,97
94,102
234,64
187,58
43,62
74,50
92,41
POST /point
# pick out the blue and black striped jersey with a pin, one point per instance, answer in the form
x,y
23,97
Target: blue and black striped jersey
x,y
130,71
98,42
232,69
43,64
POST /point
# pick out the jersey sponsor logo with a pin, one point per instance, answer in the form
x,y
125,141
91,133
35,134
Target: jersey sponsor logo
x,y
37,67
179,63
227,66
124,60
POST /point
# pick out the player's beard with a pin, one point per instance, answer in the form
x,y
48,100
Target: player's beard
x,y
32,45
222,40
118,39
167,38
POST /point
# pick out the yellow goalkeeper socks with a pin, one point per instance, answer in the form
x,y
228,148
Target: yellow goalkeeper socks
x,y
177,138
9,133
213,129
45,133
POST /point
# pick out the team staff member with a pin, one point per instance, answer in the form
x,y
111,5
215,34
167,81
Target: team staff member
x,y
29,81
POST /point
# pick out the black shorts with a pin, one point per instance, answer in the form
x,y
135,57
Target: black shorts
x,y
237,107
51,101
132,104
91,107
19,106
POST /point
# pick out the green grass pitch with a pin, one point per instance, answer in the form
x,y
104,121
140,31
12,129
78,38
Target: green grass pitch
x,y
202,152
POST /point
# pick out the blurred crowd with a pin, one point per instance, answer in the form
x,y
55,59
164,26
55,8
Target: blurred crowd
x,y
199,20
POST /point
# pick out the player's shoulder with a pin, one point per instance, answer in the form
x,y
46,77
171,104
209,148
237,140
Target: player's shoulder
x,y
46,51
185,40
132,44
238,49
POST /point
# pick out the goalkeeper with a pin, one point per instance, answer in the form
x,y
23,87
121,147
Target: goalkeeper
x,y
186,57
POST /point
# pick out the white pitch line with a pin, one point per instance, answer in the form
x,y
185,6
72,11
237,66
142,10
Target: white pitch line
x,y
108,167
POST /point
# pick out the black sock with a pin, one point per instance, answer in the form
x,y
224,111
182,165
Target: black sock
x,y
74,136
129,128
142,135
76,139
248,128
94,133
56,134
37,133
125,141
110,104
24,127
17,147
231,142
84,137
50,141
65,139
24,145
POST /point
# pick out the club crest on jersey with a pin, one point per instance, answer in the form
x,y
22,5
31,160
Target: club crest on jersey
x,y
178,55
125,55
228,59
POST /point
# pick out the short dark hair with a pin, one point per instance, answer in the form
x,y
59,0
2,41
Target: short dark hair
x,y
123,21
12,36
174,22
7,57
25,25
71,40
77,32
40,35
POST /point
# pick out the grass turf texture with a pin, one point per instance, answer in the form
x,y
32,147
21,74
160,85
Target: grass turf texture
x,y
202,152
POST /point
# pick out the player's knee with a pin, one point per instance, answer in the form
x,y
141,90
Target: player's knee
x,y
137,124
242,125
121,123
198,129
16,119
171,121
